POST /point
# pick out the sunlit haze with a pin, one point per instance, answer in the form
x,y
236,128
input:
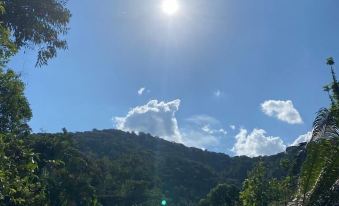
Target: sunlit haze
x,y
170,7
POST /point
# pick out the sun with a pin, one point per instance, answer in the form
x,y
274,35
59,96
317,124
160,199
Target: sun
x,y
170,7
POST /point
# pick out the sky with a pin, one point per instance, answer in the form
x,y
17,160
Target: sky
x,y
237,77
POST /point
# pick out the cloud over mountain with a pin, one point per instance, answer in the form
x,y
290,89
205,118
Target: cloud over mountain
x,y
257,143
159,119
156,118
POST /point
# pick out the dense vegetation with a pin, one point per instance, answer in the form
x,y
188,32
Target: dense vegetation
x,y
126,169
112,167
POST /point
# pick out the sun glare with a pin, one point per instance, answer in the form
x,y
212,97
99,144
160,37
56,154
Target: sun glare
x,y
170,7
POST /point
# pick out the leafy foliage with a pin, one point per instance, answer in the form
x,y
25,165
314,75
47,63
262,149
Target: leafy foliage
x,y
14,108
19,182
68,175
319,171
256,187
7,47
324,125
181,175
221,195
39,22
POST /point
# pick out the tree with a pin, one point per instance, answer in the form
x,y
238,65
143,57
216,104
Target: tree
x,y
19,182
255,190
14,108
24,23
40,22
221,195
67,174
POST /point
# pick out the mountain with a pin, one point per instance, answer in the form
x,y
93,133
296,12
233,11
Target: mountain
x,y
141,169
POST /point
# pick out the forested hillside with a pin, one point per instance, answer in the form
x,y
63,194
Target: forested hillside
x,y
125,168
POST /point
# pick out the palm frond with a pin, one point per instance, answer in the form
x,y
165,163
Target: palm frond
x,y
324,125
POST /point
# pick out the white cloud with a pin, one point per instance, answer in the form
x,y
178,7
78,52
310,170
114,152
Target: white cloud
x,y
257,143
302,138
156,118
217,93
232,127
282,110
209,130
141,91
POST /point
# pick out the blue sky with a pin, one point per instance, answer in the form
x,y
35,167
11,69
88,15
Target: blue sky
x,y
221,59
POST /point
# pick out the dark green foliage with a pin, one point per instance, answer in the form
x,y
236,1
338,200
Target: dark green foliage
x,y
7,47
259,189
221,195
321,194
281,191
320,171
36,22
19,181
68,175
28,23
255,190
141,169
14,108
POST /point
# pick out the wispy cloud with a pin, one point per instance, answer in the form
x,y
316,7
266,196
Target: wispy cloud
x,y
203,131
209,130
203,120
282,110
141,91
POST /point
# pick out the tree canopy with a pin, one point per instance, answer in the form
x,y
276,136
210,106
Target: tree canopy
x,y
34,23
14,107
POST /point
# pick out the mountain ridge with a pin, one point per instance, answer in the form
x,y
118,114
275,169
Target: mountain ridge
x,y
183,175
